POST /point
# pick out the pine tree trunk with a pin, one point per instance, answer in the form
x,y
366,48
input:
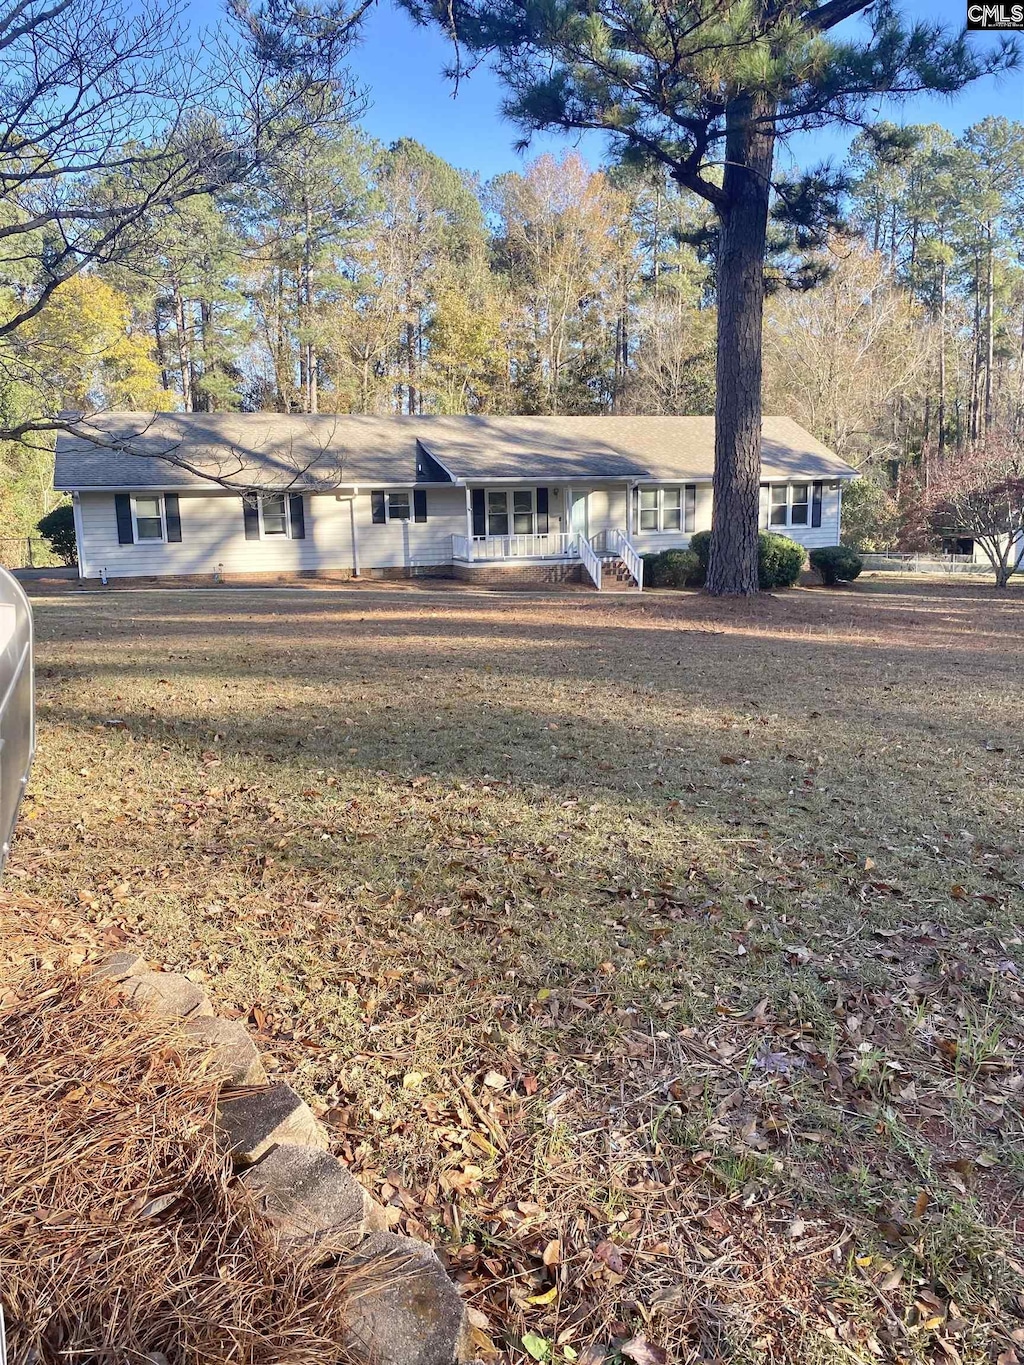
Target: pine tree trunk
x,y
158,341
732,567
942,362
976,355
989,330
184,350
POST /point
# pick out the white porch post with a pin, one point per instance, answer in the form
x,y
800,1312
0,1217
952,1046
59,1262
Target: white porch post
x,y
839,512
469,523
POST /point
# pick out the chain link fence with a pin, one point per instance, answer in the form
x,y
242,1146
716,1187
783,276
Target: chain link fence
x,y
26,552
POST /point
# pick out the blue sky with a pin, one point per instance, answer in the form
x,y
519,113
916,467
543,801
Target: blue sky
x,y
402,64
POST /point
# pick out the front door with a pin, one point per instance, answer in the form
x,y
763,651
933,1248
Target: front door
x,y
579,513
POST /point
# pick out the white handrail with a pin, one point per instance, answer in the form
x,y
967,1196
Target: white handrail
x,y
542,545
462,548
591,562
630,556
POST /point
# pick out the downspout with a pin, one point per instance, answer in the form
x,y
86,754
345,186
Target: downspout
x,y
76,507
355,532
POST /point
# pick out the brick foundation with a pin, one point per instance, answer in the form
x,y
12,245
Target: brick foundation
x,y
516,576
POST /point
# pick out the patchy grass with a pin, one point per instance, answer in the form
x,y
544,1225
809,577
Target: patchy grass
x,y
658,957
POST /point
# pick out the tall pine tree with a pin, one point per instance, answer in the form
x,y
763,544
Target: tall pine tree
x,y
707,88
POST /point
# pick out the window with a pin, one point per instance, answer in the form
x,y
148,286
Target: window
x,y
791,504
398,506
274,514
648,509
668,509
148,514
497,512
522,512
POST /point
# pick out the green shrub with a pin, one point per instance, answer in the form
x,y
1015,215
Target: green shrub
x,y
700,544
836,564
779,559
58,529
670,569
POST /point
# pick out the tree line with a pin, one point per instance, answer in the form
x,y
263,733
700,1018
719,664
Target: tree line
x,y
351,277
209,229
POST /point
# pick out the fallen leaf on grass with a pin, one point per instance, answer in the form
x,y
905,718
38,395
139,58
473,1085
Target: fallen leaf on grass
x,y
552,1253
548,1296
642,1352
610,1254
538,1348
495,1080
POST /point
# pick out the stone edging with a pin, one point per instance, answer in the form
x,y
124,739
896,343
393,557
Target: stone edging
x,y
406,1311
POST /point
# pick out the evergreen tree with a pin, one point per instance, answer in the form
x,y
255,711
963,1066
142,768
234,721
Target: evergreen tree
x,y
695,84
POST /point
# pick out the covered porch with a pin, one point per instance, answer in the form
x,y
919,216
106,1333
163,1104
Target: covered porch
x,y
525,525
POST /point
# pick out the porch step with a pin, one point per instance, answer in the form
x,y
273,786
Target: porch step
x,y
615,577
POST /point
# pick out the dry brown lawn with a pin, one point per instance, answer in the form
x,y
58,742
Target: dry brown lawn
x,y
658,958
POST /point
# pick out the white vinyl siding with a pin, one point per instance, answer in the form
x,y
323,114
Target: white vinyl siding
x,y
213,535
213,532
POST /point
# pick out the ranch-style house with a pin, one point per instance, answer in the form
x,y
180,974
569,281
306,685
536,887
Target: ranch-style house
x,y
495,500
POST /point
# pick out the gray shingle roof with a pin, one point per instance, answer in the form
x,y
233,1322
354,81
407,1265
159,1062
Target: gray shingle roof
x,y
182,450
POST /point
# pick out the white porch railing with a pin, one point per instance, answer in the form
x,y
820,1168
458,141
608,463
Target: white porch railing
x,y
591,562
621,545
545,545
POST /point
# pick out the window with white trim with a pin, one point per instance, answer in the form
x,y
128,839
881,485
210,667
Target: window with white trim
x,y
511,511
789,504
398,505
667,509
149,518
274,516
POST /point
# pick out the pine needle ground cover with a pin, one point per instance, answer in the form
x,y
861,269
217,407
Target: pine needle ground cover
x,y
121,1239
658,957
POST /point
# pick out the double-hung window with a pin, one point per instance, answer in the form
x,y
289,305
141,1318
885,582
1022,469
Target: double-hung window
x,y
668,509
791,504
497,512
148,518
274,515
511,512
522,512
398,505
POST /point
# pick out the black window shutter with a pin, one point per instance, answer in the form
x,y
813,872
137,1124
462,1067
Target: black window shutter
x,y
172,512
297,514
479,513
816,504
542,511
377,505
251,513
689,506
123,512
419,503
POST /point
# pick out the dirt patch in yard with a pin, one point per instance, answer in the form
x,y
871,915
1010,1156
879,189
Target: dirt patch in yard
x,y
658,957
